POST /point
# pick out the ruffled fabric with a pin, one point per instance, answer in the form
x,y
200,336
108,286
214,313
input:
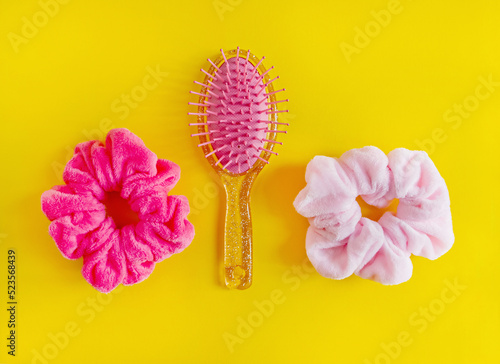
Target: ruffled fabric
x,y
81,227
340,242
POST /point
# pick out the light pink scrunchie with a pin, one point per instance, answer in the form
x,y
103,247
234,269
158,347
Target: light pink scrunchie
x,y
82,228
341,242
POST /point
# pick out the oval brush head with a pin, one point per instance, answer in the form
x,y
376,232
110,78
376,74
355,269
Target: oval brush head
x,y
237,112
237,127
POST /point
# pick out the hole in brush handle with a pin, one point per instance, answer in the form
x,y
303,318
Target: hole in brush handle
x,y
238,277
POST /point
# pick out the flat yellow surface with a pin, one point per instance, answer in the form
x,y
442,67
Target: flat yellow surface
x,y
416,74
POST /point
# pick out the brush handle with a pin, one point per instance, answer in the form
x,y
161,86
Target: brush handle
x,y
238,231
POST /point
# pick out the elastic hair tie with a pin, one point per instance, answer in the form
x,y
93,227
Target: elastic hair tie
x,y
81,226
341,242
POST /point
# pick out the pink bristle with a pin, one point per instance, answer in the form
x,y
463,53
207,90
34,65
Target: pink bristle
x,y
214,85
257,67
262,159
261,77
214,95
246,63
213,64
276,102
237,61
276,111
269,82
202,84
214,151
197,93
198,134
206,143
269,151
272,141
208,74
225,61
221,159
274,92
273,122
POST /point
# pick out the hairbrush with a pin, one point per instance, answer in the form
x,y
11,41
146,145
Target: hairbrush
x,y
237,120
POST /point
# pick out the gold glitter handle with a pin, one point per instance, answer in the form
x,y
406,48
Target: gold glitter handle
x,y
238,231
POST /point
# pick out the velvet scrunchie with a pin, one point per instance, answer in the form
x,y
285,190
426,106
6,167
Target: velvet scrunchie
x,y
340,242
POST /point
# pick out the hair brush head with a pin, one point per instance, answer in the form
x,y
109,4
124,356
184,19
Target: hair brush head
x,y
237,113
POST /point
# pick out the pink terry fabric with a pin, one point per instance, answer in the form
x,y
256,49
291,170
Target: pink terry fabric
x,y
341,242
81,227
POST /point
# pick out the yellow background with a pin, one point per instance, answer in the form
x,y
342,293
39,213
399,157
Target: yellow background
x,y
62,82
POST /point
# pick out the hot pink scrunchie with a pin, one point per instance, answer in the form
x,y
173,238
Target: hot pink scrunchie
x,y
81,227
341,242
